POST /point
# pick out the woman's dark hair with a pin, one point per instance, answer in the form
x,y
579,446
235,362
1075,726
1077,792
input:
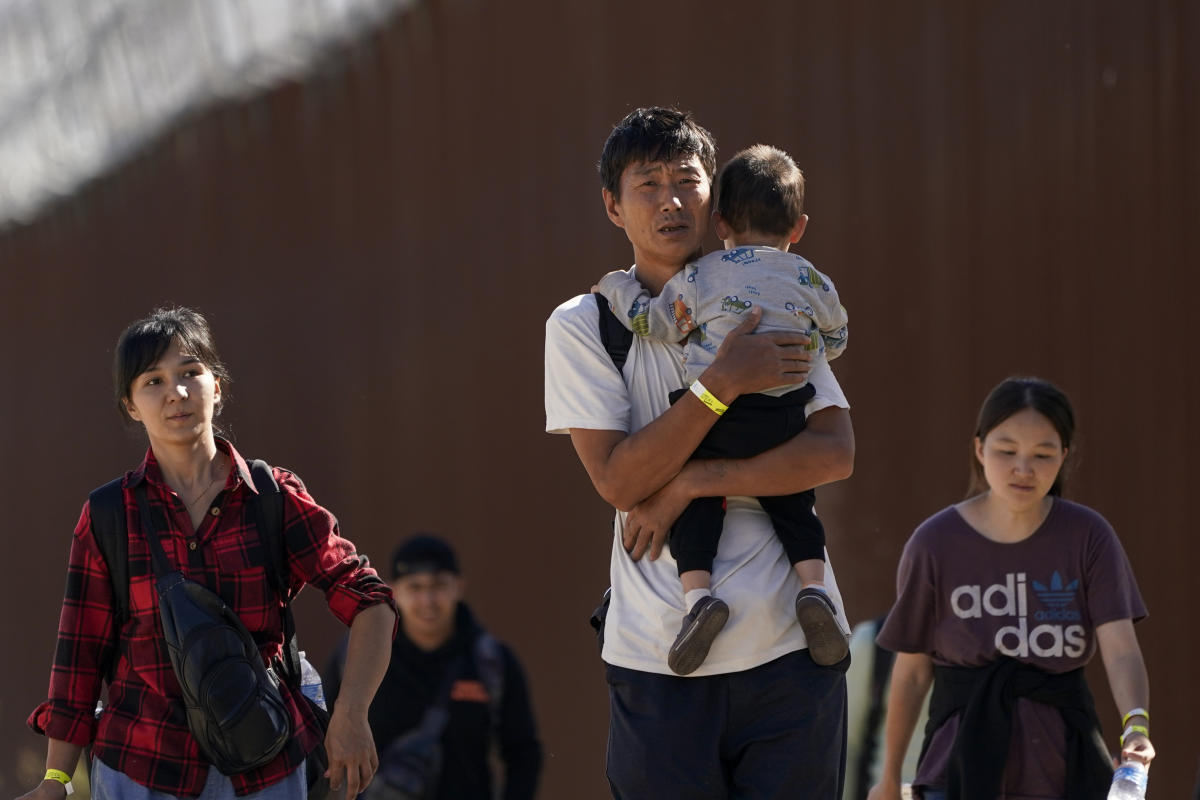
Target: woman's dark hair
x,y
143,343
1014,395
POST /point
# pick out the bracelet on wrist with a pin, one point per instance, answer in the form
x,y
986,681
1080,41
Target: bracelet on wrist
x,y
1132,729
708,398
61,777
1134,712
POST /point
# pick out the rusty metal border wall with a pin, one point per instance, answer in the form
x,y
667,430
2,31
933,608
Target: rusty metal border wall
x,y
997,188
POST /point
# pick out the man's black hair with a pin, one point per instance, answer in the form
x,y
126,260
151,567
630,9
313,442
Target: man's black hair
x,y
423,553
651,135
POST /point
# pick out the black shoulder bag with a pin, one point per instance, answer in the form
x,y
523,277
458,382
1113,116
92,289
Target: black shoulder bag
x,y
108,524
234,707
411,766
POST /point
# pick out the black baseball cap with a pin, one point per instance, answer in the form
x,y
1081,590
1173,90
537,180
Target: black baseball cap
x,y
423,553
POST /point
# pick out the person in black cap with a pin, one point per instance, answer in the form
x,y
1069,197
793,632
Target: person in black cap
x,y
452,692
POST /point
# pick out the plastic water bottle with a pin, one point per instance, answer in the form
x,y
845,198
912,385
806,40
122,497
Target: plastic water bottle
x,y
310,682
1129,782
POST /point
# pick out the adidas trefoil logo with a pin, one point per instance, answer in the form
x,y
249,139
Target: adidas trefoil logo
x,y
1056,595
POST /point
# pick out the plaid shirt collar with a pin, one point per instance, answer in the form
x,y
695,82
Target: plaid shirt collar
x,y
150,471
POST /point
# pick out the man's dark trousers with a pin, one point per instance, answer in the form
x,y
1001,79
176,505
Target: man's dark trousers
x,y
771,732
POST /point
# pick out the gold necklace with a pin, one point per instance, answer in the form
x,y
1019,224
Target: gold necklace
x,y
206,488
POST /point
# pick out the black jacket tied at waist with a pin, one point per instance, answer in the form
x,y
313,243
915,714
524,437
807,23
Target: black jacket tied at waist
x,y
987,697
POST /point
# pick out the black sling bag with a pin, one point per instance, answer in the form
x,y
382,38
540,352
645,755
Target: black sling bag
x,y
233,704
410,768
109,526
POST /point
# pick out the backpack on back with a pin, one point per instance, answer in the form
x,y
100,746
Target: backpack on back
x,y
109,525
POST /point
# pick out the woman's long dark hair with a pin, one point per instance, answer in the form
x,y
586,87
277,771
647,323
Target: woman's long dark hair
x,y
1018,394
143,343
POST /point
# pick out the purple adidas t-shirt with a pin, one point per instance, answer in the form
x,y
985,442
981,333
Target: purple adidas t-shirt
x,y
965,600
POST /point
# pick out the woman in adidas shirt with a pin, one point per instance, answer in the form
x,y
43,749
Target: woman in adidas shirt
x,y
1002,599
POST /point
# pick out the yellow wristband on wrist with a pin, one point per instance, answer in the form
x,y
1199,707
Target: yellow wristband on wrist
x,y
708,398
1134,712
1142,729
61,777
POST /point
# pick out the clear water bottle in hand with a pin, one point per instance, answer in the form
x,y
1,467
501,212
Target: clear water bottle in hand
x,y
310,682
1129,782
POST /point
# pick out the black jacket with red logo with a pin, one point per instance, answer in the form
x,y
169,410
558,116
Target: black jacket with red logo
x,y
413,681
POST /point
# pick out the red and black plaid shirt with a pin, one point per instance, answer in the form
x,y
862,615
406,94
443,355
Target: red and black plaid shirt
x,y
143,731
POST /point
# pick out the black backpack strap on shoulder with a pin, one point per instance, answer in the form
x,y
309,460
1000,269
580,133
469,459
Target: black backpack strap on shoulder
x,y
616,338
106,507
489,663
267,507
107,510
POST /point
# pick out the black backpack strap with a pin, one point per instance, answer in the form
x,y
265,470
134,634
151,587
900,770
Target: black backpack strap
x,y
267,508
107,511
616,338
489,663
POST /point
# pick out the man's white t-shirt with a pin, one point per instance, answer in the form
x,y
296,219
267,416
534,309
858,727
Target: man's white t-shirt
x,y
751,572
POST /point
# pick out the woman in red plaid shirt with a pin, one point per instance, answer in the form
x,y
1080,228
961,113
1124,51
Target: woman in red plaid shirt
x,y
168,377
